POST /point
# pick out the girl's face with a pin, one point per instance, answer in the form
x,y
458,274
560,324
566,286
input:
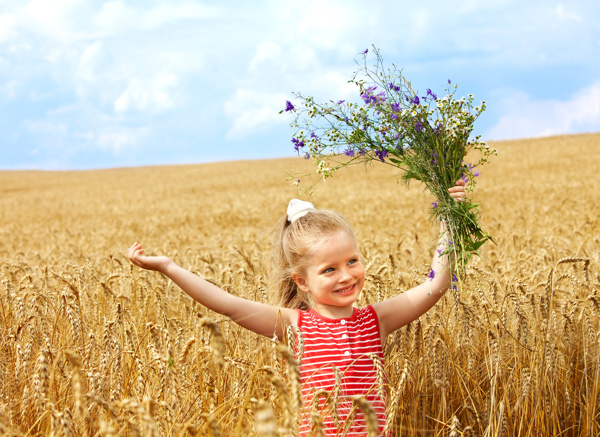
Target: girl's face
x,y
334,276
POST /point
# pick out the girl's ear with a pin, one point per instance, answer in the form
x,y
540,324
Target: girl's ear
x,y
300,282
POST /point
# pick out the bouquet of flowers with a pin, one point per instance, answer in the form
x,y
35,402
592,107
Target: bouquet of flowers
x,y
426,136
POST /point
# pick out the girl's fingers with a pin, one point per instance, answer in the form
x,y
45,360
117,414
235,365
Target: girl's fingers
x,y
458,191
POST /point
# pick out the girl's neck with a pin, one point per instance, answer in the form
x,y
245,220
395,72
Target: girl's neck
x,y
334,312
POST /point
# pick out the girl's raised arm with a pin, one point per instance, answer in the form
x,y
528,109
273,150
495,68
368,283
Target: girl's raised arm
x,y
257,317
399,311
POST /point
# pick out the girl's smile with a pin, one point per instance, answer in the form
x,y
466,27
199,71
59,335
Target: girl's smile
x,y
334,277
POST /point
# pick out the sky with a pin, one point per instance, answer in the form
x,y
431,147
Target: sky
x,y
98,84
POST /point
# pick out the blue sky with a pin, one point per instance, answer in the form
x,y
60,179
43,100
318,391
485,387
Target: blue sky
x,y
93,84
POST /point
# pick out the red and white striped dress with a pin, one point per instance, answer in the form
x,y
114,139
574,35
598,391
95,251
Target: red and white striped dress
x,y
343,343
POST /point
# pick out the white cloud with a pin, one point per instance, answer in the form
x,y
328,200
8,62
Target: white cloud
x,y
566,14
154,94
253,111
7,27
525,117
9,89
265,51
119,138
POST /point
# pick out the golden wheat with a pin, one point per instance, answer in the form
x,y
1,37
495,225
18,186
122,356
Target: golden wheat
x,y
92,346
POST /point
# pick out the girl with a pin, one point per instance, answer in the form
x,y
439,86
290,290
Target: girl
x,y
320,278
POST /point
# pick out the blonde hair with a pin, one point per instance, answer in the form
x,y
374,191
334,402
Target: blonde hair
x,y
293,247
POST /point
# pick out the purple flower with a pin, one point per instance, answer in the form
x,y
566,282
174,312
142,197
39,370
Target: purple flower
x,y
288,106
396,135
312,135
415,100
394,87
439,251
307,155
393,117
475,173
454,282
297,144
449,82
434,205
431,274
395,107
366,51
368,96
349,152
381,154
435,157
431,94
419,127
340,102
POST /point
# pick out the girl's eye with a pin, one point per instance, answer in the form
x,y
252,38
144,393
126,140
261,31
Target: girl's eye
x,y
352,261
329,270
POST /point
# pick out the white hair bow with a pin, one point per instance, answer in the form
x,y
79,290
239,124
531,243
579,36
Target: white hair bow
x,y
298,208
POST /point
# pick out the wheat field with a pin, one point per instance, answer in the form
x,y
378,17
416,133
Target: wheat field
x,y
92,346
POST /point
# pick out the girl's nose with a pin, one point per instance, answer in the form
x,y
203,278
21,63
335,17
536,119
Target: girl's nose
x,y
345,275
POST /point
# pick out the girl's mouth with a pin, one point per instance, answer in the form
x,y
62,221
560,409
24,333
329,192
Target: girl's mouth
x,y
347,290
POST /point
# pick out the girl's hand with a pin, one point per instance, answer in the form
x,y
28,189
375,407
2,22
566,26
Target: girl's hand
x,y
137,257
458,192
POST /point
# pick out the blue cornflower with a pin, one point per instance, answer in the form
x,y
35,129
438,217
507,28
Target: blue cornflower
x,y
415,100
349,152
431,274
381,154
288,106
